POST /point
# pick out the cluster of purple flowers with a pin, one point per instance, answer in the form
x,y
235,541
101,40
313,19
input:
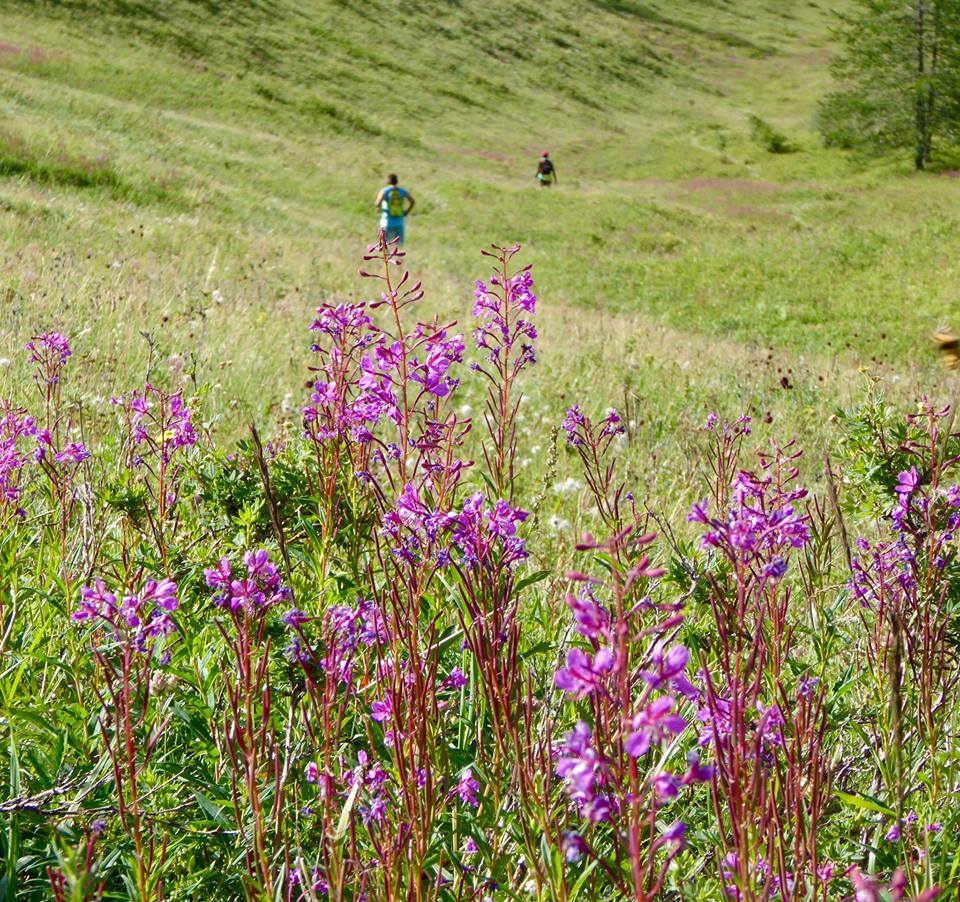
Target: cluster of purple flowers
x,y
352,629
317,885
886,571
762,729
476,530
15,427
159,420
253,592
347,328
761,875
907,827
430,367
479,532
49,352
761,525
869,890
594,767
882,573
143,618
368,778
502,311
415,529
739,427
364,370
341,322
580,766
580,431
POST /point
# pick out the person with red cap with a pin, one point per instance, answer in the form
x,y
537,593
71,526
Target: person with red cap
x,y
546,171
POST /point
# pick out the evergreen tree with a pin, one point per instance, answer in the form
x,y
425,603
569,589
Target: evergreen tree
x,y
899,73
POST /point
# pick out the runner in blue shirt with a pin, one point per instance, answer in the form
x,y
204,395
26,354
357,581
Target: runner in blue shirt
x,y
394,203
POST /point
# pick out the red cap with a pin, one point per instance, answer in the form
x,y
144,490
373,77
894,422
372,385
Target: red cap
x,y
545,154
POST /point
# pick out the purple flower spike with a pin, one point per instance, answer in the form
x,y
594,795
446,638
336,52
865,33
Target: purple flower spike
x,y
582,676
907,482
467,788
652,725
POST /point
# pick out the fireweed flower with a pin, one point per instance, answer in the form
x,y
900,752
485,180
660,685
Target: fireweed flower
x,y
480,532
467,788
591,618
162,593
96,602
293,618
159,420
882,573
666,786
49,352
584,675
16,430
573,845
696,772
73,452
139,619
501,311
259,590
455,679
580,766
573,421
440,354
346,631
669,665
578,763
612,424
382,710
868,890
653,725
761,525
907,482
716,722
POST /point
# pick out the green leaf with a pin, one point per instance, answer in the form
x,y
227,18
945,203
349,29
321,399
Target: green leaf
x,y
37,720
531,579
581,881
867,802
347,808
14,768
211,809
538,649
13,829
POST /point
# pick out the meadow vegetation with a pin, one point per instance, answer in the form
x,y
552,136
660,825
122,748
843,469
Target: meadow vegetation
x,y
326,585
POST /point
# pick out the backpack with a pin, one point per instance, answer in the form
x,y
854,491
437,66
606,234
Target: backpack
x,y
546,167
394,200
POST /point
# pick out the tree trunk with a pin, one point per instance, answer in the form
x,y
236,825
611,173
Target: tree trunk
x,y
921,123
936,37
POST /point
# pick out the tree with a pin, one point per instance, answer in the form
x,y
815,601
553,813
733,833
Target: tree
x,y
899,76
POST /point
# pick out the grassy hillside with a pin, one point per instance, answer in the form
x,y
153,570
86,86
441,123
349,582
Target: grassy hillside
x,y
203,173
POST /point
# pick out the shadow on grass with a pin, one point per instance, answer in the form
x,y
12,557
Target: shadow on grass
x,y
18,159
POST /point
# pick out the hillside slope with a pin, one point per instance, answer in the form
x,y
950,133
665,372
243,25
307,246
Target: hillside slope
x,y
203,172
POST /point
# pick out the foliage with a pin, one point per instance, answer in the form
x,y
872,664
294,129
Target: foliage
x,y
768,137
900,78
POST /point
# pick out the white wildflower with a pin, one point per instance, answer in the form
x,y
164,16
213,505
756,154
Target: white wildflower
x,y
567,486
